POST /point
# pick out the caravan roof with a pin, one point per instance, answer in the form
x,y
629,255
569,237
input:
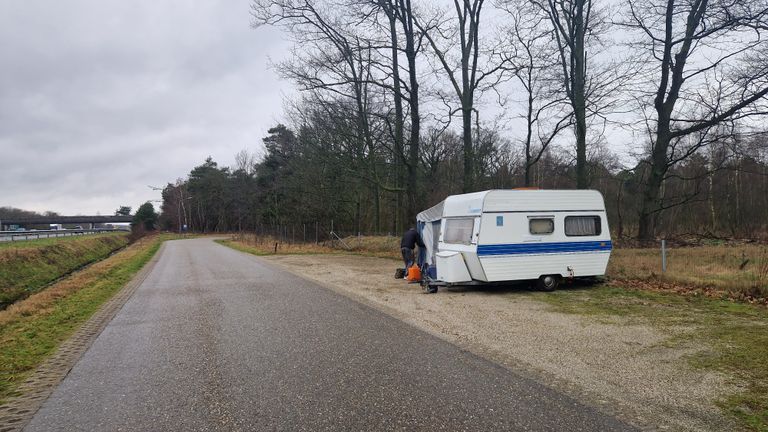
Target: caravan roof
x,y
511,200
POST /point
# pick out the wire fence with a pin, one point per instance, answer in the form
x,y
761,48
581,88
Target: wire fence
x,y
734,266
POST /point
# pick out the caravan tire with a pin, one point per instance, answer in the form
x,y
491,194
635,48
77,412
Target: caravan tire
x,y
548,282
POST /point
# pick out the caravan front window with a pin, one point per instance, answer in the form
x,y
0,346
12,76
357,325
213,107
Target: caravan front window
x,y
459,230
540,226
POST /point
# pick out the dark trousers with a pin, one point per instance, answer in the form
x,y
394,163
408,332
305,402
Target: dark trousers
x,y
407,257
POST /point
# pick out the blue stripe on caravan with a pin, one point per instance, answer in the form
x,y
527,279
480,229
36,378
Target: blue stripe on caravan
x,y
543,248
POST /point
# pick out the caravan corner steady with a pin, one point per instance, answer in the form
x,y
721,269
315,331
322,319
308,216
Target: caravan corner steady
x,y
515,235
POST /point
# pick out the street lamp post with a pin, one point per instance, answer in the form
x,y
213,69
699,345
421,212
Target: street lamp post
x,y
181,209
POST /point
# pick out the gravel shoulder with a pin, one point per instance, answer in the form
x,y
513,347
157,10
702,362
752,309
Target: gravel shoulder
x,y
627,369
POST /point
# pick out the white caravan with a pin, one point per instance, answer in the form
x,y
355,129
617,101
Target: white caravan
x,y
513,235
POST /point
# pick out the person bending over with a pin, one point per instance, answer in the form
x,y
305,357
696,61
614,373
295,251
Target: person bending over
x,y
411,238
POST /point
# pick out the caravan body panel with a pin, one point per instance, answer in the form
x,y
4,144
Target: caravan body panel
x,y
508,250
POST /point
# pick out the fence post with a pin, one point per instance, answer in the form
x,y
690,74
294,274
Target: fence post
x,y
663,256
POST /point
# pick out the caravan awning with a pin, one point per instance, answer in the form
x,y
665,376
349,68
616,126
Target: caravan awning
x,y
431,214
428,224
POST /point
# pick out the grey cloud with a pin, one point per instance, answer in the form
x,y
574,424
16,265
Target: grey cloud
x,y
100,98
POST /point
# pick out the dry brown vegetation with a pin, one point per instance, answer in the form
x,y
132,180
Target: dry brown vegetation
x,y
378,246
739,272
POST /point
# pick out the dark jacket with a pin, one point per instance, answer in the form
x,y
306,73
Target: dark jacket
x,y
411,238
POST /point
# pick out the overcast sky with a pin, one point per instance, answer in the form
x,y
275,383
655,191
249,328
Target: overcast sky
x,y
100,98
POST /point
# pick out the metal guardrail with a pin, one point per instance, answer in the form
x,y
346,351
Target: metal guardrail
x,y
65,220
38,234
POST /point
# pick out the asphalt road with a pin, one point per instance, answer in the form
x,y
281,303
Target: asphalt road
x,y
215,339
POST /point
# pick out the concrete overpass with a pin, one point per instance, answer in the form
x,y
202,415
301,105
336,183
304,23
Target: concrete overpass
x,y
63,220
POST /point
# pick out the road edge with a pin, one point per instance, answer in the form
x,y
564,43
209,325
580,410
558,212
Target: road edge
x,y
35,390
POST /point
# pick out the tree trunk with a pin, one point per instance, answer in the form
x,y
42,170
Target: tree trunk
x,y
580,102
527,175
468,183
357,214
529,129
650,204
377,209
620,221
415,141
582,174
413,155
711,199
398,98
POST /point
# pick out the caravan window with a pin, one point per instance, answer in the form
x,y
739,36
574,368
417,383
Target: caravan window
x,y
540,226
582,225
459,230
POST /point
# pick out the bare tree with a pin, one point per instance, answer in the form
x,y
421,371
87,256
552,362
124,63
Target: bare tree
x,y
709,70
403,39
571,20
591,86
544,110
412,47
245,161
466,74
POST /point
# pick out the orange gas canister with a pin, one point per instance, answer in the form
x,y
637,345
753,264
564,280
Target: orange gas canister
x,y
414,273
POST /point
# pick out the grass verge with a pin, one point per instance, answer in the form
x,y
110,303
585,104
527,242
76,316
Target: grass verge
x,y
739,272
33,328
735,335
30,266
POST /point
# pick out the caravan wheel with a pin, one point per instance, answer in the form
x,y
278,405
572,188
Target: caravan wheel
x,y
548,282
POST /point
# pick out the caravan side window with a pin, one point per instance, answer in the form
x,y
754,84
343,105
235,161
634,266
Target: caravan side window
x,y
582,226
539,226
459,230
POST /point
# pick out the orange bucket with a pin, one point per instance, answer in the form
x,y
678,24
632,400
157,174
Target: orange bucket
x,y
414,273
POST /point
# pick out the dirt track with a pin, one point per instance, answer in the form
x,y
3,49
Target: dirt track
x,y
628,369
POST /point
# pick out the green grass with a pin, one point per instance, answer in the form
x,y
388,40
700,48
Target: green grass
x,y
30,266
33,328
735,334
17,244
